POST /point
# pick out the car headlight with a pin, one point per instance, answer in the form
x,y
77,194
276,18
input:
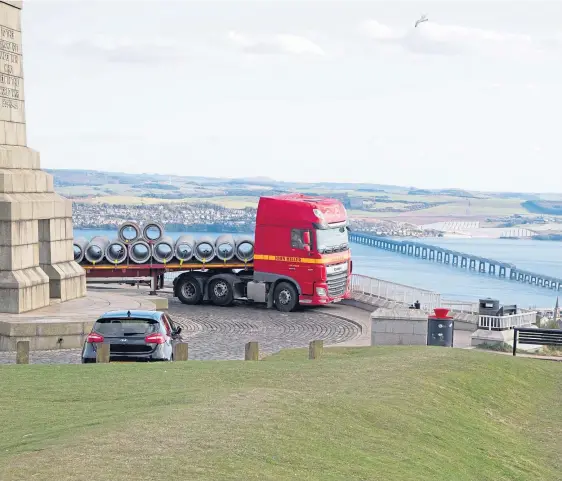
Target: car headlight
x,y
321,291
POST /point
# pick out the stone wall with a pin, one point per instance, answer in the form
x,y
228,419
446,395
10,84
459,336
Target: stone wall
x,y
399,326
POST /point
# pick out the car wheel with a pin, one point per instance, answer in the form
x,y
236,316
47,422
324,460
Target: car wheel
x,y
286,297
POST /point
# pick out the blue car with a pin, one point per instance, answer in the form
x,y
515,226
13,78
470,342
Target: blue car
x,y
133,336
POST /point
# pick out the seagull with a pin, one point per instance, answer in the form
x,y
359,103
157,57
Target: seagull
x,y
422,19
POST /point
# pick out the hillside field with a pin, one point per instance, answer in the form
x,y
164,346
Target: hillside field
x,y
377,414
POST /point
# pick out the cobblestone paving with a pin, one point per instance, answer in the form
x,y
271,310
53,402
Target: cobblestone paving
x,y
215,333
221,333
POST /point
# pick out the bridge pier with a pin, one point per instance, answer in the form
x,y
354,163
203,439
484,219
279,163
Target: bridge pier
x,y
455,260
482,266
502,271
410,250
431,254
472,264
446,257
424,253
464,262
416,251
492,269
439,256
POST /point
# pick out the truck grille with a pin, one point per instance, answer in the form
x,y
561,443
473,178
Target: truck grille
x,y
337,283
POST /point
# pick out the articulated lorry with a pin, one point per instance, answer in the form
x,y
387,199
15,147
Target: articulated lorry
x,y
301,256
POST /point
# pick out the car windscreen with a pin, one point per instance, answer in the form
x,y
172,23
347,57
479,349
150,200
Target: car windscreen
x,y
126,327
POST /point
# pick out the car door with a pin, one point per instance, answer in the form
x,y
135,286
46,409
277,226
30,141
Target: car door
x,y
298,268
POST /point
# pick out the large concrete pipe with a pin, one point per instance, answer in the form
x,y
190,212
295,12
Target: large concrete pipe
x,y
224,247
129,232
244,249
95,252
152,232
139,252
185,248
116,252
163,250
79,245
205,249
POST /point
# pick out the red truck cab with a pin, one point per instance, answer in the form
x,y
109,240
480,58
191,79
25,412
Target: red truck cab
x,y
302,246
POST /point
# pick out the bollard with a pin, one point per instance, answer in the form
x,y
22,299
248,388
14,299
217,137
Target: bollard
x,y
180,351
315,349
22,352
102,353
252,351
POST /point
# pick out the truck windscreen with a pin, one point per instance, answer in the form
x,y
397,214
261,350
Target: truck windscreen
x,y
331,240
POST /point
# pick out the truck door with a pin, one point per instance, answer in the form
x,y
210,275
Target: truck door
x,y
297,267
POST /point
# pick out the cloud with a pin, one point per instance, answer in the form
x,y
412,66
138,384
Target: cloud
x,y
438,39
282,44
123,49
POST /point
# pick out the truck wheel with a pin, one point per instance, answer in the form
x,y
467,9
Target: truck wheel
x,y
286,297
189,291
220,292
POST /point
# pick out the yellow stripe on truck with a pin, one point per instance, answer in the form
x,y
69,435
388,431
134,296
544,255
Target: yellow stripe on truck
x,y
303,260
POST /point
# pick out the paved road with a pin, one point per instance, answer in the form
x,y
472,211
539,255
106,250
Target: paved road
x,y
215,333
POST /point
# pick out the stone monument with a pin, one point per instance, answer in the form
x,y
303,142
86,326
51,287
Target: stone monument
x,y
36,252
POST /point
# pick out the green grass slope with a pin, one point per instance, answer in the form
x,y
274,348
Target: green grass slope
x,y
373,414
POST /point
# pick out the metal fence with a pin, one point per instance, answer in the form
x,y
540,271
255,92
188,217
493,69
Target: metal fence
x,y
460,306
508,322
391,291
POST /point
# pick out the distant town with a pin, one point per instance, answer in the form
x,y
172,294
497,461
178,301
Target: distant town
x,y
206,217
102,200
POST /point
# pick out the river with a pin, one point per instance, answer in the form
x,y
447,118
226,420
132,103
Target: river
x,y
544,257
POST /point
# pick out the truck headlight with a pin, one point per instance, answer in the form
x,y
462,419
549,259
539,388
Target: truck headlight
x,y
321,291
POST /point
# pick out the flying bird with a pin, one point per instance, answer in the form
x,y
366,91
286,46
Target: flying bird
x,y
422,19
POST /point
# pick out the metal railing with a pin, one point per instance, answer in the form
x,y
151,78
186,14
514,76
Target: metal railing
x,y
460,306
365,286
507,322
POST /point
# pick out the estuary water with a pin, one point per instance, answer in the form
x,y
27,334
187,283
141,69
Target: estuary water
x,y
544,257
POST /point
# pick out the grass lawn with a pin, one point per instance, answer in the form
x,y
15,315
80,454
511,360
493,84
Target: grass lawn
x,y
389,414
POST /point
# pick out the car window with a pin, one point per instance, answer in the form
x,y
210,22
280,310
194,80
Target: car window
x,y
125,327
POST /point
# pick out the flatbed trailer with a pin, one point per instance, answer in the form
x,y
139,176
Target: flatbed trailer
x,y
131,272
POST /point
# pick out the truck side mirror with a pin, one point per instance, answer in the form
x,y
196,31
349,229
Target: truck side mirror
x,y
306,238
306,248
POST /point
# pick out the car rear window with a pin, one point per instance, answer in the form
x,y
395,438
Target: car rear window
x,y
126,327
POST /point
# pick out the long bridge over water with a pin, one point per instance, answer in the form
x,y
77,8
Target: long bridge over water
x,y
461,260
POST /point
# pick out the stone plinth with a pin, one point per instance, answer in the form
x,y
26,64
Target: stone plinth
x,y
64,325
36,255
399,326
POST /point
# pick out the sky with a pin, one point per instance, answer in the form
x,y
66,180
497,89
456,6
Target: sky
x,y
302,90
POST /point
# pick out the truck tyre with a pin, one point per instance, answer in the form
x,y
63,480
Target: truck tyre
x,y
189,291
286,297
220,292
